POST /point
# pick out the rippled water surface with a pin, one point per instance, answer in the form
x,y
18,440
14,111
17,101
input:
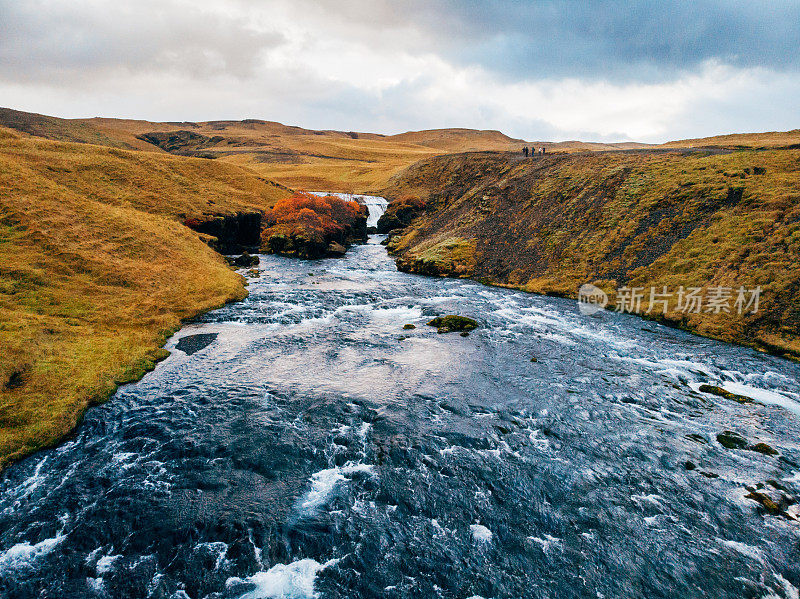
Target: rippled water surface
x,y
308,445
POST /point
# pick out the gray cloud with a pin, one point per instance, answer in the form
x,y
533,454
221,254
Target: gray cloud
x,y
621,40
646,69
75,42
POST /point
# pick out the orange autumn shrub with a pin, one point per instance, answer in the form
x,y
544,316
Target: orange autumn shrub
x,y
305,225
329,214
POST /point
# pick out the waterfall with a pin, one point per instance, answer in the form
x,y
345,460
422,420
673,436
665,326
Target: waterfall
x,y
375,204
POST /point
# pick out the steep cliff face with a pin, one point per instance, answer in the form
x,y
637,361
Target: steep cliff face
x,y
714,221
233,233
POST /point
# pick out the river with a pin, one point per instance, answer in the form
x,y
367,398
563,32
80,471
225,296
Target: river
x,y
308,445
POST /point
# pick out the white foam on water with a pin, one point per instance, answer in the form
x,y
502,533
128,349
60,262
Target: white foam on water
x,y
558,338
651,499
24,554
398,314
746,550
324,482
363,431
481,534
792,592
794,478
285,581
763,396
105,563
547,542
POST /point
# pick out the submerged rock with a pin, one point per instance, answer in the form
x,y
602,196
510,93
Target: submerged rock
x,y
453,323
714,390
731,440
763,448
194,343
408,327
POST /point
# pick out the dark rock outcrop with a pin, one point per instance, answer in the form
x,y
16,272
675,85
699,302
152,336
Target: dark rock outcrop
x,y
453,323
244,260
400,212
233,233
182,143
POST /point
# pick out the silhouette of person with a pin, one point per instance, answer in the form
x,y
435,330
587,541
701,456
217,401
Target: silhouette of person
x,y
525,151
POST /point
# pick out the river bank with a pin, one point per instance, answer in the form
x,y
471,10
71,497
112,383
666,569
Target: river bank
x,y
660,221
97,269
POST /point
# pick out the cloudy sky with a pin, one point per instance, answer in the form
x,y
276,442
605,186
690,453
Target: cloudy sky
x,y
649,70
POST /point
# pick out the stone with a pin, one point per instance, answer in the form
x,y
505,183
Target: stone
x,y
244,260
453,323
763,448
731,440
336,249
719,391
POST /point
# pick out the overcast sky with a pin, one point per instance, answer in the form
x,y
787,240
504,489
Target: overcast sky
x,y
648,70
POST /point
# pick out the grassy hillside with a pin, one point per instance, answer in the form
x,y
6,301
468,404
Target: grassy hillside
x,y
321,160
327,160
639,219
771,139
96,270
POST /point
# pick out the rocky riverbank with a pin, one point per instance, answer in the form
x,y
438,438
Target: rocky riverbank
x,y
645,228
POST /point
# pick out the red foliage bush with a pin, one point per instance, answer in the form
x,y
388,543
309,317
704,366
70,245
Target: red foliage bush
x,y
329,215
193,223
304,225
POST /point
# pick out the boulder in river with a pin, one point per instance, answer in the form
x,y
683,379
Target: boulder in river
x,y
763,448
244,260
453,323
336,249
731,440
715,390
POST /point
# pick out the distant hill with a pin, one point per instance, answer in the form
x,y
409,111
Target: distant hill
x,y
322,160
770,139
459,140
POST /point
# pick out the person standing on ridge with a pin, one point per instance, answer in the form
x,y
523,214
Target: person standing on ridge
x,y
525,151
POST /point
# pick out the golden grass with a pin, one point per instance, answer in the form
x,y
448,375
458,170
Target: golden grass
x,y
328,160
770,139
96,271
